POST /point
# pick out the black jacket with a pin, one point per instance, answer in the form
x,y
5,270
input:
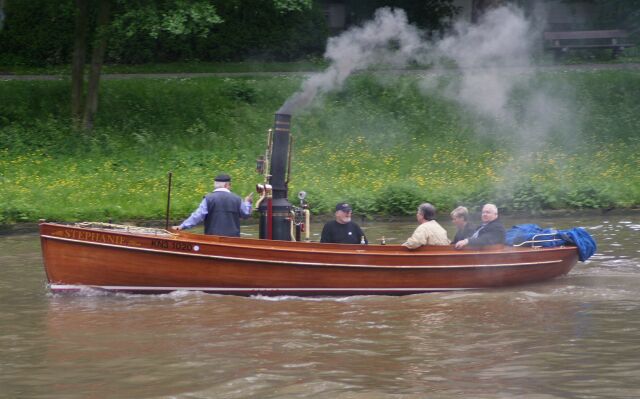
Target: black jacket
x,y
466,232
488,234
348,233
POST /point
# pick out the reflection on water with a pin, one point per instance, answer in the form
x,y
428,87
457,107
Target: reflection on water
x,y
576,336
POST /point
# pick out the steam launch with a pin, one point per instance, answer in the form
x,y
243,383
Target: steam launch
x,y
146,260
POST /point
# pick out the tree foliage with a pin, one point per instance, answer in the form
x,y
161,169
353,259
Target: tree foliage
x,y
172,29
620,13
41,32
292,5
614,14
171,17
431,15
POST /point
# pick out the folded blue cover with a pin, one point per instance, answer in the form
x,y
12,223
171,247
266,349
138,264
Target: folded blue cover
x,y
576,236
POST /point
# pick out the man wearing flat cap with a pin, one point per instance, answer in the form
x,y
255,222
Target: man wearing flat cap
x,y
343,230
220,210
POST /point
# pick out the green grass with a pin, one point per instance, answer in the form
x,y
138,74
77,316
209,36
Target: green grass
x,y
630,55
381,144
176,67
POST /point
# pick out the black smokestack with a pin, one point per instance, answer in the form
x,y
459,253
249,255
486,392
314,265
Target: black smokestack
x,y
280,155
278,225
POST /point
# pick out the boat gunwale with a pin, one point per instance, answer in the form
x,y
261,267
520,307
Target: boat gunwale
x,y
341,249
302,263
102,249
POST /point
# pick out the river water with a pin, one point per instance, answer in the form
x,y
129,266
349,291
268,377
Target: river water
x,y
577,336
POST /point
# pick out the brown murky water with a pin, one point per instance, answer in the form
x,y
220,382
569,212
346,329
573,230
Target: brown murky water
x,y
574,337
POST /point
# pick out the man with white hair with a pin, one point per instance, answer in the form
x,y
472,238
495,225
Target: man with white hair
x,y
489,233
220,210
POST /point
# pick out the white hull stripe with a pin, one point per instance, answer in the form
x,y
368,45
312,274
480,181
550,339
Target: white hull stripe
x,y
279,262
72,287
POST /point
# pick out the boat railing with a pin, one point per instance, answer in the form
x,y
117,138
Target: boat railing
x,y
537,240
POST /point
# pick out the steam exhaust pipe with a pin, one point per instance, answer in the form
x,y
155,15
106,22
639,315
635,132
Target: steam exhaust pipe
x,y
275,223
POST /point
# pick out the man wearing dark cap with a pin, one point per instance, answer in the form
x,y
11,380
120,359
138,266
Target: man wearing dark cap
x,y
220,210
343,230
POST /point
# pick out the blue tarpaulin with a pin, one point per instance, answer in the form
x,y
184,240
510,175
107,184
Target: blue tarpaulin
x,y
576,236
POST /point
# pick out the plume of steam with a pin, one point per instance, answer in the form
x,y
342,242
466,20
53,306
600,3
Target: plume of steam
x,y
493,57
388,37
503,38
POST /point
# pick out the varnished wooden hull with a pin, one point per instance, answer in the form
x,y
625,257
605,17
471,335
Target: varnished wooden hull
x,y
75,257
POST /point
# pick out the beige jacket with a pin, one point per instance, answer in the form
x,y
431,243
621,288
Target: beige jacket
x,y
428,233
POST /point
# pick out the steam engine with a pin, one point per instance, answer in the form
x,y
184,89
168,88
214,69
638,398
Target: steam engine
x,y
279,220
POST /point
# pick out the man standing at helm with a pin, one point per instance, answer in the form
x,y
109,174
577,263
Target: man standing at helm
x,y
489,233
220,210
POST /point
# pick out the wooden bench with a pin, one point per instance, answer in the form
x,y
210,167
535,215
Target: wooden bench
x,y
562,42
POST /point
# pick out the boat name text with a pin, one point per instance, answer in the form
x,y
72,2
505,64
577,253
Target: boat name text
x,y
179,245
95,236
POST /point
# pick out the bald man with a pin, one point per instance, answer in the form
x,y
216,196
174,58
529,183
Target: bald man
x,y
489,233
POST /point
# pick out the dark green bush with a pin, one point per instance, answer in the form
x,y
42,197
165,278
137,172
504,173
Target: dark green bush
x,y
398,199
587,197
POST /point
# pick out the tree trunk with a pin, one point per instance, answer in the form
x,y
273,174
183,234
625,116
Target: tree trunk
x,y
78,60
97,59
1,14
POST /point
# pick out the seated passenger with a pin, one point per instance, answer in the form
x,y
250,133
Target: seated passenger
x,y
489,233
460,218
343,230
429,232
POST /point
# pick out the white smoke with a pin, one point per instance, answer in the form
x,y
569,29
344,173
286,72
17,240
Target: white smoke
x,y
483,52
494,59
388,38
490,60
502,38
493,56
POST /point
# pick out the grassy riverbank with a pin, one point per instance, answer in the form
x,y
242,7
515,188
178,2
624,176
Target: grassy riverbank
x,y
382,143
177,67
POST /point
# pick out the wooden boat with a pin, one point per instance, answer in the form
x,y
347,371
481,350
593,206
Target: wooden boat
x,y
143,260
